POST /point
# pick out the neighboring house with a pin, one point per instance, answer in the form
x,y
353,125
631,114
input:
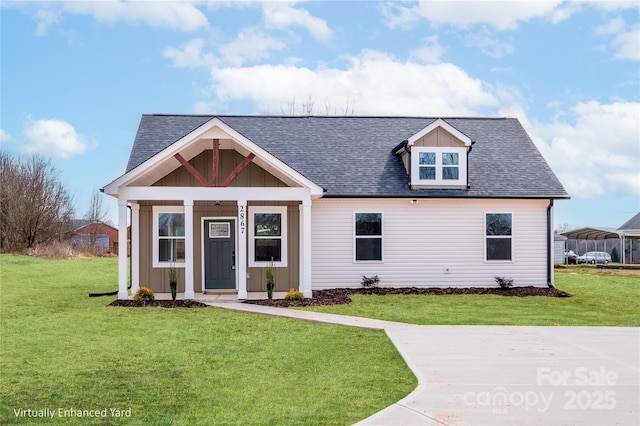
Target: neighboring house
x,y
630,231
424,202
106,236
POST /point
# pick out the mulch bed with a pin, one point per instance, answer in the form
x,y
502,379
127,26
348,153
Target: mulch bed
x,y
341,296
158,304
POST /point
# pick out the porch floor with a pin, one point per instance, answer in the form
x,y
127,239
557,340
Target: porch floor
x,y
220,298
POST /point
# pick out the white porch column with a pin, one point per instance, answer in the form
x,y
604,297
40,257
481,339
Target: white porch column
x,y
188,250
305,248
241,249
123,294
135,247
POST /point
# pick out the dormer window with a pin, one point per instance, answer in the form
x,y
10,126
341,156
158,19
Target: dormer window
x,y
436,157
433,166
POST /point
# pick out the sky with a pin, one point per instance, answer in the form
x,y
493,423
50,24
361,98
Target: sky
x,y
77,76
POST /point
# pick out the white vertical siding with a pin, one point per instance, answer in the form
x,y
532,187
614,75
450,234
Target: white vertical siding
x,y
434,243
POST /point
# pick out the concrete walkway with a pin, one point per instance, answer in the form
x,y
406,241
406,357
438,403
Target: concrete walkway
x,y
495,375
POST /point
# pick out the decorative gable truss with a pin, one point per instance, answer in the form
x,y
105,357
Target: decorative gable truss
x,y
215,182
436,157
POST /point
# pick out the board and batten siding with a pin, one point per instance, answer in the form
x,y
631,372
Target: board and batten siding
x,y
431,243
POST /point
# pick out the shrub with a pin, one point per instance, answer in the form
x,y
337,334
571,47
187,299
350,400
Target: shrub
x,y
370,282
145,294
54,250
294,294
504,283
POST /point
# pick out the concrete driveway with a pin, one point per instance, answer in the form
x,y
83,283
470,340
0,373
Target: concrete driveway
x,y
495,375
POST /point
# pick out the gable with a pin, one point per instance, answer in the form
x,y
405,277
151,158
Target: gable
x,y
251,176
157,160
439,138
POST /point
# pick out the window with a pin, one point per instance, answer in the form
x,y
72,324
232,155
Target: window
x,y
427,165
368,237
168,236
267,236
435,166
498,236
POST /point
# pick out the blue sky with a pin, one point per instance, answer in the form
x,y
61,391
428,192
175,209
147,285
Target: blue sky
x,y
76,77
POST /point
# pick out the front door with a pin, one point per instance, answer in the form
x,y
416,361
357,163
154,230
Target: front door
x,y
219,254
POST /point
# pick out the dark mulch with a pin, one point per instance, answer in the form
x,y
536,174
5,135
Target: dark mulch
x,y
158,304
341,296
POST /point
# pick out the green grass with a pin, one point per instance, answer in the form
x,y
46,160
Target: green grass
x,y
61,349
601,299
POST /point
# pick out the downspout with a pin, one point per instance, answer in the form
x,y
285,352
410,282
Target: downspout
x,y
126,247
549,247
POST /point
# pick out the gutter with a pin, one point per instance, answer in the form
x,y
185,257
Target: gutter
x,y
549,247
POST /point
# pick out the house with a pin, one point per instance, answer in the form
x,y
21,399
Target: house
x,y
427,202
104,235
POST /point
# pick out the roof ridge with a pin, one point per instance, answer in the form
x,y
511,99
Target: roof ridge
x,y
330,116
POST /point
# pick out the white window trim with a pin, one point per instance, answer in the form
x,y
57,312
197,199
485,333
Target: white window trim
x,y
511,237
282,210
156,238
381,236
438,181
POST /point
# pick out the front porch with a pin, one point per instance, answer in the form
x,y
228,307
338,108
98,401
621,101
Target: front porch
x,y
220,298
192,203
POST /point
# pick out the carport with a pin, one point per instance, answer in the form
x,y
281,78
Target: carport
x,y
597,234
630,231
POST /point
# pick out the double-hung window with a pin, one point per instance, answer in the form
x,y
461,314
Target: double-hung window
x,y
168,236
439,166
267,236
368,237
499,236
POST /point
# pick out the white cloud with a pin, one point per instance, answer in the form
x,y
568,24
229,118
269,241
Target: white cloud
x,y
614,26
502,15
489,46
4,136
375,81
190,55
279,14
175,15
598,153
45,19
625,42
250,44
55,138
627,45
430,52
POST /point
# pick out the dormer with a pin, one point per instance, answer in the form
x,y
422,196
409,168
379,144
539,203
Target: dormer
x,y
436,157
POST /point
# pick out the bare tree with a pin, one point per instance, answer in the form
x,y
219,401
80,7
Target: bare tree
x,y
308,107
95,217
34,205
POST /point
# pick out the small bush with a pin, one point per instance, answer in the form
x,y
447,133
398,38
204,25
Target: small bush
x,y
53,250
370,282
294,294
504,283
145,294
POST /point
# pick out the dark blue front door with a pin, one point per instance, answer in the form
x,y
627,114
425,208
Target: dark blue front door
x,y
219,254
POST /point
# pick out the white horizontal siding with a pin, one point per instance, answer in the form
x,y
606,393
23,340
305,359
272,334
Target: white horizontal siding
x,y
421,240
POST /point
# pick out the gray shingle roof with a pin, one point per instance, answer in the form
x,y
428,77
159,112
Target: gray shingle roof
x,y
631,224
352,156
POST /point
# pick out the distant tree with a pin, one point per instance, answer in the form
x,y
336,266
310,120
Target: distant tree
x,y
308,107
564,227
615,257
35,206
95,216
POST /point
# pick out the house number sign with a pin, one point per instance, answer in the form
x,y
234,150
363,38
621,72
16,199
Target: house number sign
x,y
242,219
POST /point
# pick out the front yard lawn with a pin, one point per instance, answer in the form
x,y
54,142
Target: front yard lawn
x,y
602,299
60,349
